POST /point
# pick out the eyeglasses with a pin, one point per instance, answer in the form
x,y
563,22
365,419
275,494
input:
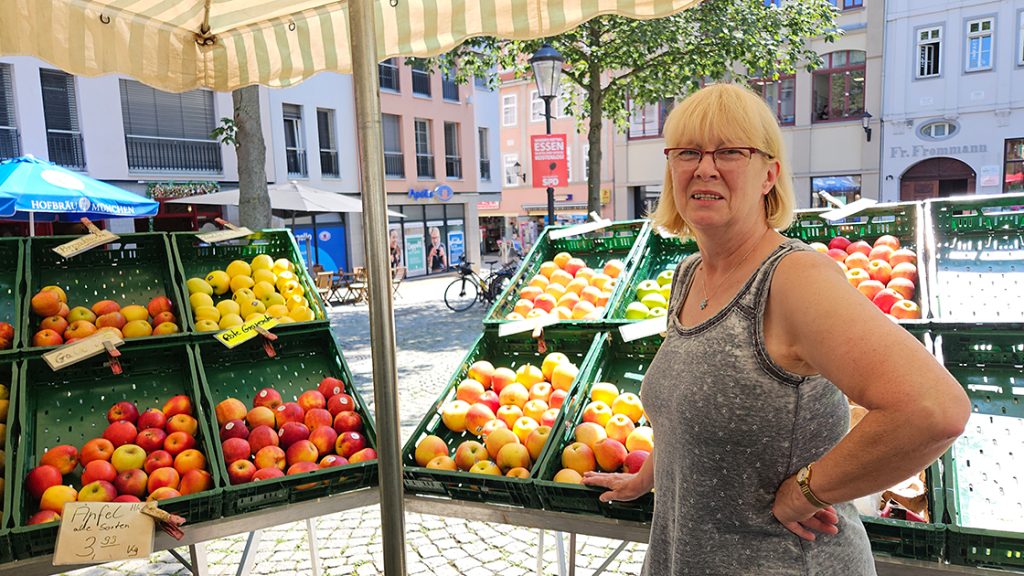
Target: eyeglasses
x,y
730,158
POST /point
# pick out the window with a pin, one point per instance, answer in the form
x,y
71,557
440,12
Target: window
x,y
485,155
979,44
424,157
394,161
647,121
481,82
846,189
10,146
847,4
328,143
938,130
167,132
929,44
452,158
1013,172
294,147
780,96
586,162
510,161
1020,38
839,87
387,71
536,107
420,80
508,110
60,109
449,88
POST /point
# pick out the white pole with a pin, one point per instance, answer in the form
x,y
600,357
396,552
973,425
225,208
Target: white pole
x,y
31,223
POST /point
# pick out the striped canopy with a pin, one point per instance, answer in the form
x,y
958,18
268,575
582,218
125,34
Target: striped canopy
x,y
179,45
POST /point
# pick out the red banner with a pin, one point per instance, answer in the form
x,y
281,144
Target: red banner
x,y
550,168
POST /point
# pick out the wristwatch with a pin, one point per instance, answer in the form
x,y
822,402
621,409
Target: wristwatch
x,y
803,479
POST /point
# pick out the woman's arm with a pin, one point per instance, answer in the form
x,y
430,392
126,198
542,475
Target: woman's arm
x,y
622,487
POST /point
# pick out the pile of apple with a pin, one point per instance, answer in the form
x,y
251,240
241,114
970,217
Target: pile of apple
x,y
62,325
152,455
263,286
652,297
321,428
882,271
565,286
6,336
610,438
511,412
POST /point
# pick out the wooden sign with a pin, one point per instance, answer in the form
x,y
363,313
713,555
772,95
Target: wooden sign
x,y
234,336
224,235
643,328
597,224
528,325
69,354
84,243
100,532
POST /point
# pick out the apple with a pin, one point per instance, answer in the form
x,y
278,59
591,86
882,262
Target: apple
x,y
195,481
870,288
330,386
45,303
453,414
477,417
302,468
179,404
347,421
261,416
340,403
81,313
177,442
96,449
512,455
610,454
98,470
262,436
557,398
589,433
539,391
629,405
230,409
536,440
161,319
126,498
641,439
135,313
839,242
292,432
112,320
857,275
545,303
266,474
509,414
42,517
493,425
903,255
857,260
324,438
164,478
604,392
879,270
905,270
490,398
906,310
364,455
97,491
267,397
481,371
549,417
469,453
563,376
579,457
152,418
40,478
311,399
289,412
523,427
859,246
127,457
485,467
159,304
63,457
79,329
234,429
881,252
151,439
500,378
271,457
904,286
514,393
301,451
635,460
619,427
597,412
157,459
535,409
47,337
886,298
469,391
442,462
349,443
55,497
163,493
498,439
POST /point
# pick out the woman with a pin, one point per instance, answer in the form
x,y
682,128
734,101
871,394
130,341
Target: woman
x,y
437,258
395,247
754,470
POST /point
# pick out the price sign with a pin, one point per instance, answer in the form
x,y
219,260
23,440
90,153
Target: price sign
x,y
87,242
99,532
224,235
597,224
234,336
644,328
69,354
528,325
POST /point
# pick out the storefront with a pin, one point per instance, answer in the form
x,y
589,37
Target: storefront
x,y
431,238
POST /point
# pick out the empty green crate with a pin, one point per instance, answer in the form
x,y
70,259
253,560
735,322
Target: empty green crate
x,y
624,365
131,270
70,407
12,254
982,470
659,253
976,267
196,259
304,356
904,220
511,352
621,240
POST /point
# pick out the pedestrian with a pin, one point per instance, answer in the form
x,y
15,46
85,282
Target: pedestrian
x,y
754,471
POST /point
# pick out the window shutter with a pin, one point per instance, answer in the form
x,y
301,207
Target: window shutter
x,y
150,112
325,131
59,107
7,117
392,133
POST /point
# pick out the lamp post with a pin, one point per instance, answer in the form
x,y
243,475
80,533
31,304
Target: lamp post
x,y
547,71
865,123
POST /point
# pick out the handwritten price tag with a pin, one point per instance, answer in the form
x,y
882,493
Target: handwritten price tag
x,y
69,354
84,243
224,235
643,328
99,532
234,336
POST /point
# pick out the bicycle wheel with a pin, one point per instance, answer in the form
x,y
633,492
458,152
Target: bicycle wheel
x,y
497,286
460,294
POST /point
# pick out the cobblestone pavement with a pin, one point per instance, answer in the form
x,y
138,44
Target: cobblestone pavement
x,y
431,342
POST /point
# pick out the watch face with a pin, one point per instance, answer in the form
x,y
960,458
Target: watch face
x,y
801,476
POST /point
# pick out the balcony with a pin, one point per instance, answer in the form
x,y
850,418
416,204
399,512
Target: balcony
x,y
177,155
425,166
329,164
65,149
394,165
10,147
296,160
453,167
485,169
449,90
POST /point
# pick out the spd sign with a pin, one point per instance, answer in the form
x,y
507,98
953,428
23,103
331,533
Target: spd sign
x,y
550,168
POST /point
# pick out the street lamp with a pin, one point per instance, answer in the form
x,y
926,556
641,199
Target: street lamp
x,y
865,123
547,71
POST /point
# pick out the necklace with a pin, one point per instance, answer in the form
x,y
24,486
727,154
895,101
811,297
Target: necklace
x,y
704,281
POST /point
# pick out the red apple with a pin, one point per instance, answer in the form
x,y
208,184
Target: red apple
x,y
151,439
292,432
635,460
904,286
332,460
123,411
267,397
490,398
177,442
63,457
886,298
881,252
870,288
157,459
477,417
349,443
879,270
324,438
469,453
96,449
311,399
302,468
163,493
179,404
230,409
152,418
182,423
469,391
906,310
132,482
289,412
317,417
235,449
859,246
364,455
241,471
42,517
839,242
98,470
330,386
159,304
163,478
195,481
905,270
837,255
126,498
301,451
266,474
271,457
189,460
262,436
97,491
121,432
234,429
557,398
40,478
340,403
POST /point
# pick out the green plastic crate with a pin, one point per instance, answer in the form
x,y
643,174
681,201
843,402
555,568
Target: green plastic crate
x,y
130,270
70,407
982,470
976,264
904,220
906,539
304,356
196,259
622,240
512,352
12,254
9,378
659,253
623,364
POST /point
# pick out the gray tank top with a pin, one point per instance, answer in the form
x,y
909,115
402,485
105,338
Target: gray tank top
x,y
731,425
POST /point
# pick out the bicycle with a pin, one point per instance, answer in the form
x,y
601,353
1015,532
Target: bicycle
x,y
470,287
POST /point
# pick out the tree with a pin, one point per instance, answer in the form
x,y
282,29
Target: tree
x,y
615,64
246,133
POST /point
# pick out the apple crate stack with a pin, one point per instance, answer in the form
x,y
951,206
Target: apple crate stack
x,y
12,254
651,278
8,393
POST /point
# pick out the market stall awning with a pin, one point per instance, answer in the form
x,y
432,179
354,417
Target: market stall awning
x,y
225,44
292,196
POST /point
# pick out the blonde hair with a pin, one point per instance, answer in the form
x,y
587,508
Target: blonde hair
x,y
731,114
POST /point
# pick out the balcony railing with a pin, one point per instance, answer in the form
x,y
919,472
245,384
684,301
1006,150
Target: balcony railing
x,y
485,169
453,166
10,147
425,165
329,163
394,165
296,160
420,82
157,154
65,149
449,90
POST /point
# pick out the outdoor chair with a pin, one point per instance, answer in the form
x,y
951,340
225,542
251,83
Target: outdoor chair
x,y
397,275
324,286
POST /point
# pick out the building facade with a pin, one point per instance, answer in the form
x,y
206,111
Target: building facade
x,y
954,99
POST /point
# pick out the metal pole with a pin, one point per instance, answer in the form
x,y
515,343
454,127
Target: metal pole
x,y
363,40
551,191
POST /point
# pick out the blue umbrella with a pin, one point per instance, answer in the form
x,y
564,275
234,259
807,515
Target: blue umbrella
x,y
36,186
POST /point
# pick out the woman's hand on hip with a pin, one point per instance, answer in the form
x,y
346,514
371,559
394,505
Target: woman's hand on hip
x,y
799,516
621,487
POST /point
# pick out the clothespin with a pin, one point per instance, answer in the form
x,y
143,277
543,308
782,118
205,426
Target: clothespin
x,y
538,335
169,523
226,224
92,227
268,338
113,354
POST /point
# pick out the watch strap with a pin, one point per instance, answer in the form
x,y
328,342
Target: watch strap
x,y
805,489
